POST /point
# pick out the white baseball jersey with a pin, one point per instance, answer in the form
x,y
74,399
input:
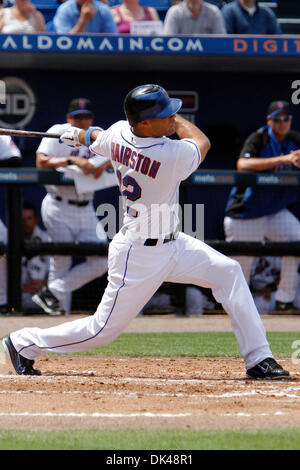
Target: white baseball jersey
x,y
53,147
146,167
8,148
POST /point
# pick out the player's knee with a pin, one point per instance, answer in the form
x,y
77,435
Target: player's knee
x,y
234,267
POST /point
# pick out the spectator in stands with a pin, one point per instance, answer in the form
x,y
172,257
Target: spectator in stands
x,y
84,16
247,17
22,17
130,11
254,213
194,17
34,270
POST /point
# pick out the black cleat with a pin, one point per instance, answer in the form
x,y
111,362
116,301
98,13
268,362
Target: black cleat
x,y
268,369
48,302
21,365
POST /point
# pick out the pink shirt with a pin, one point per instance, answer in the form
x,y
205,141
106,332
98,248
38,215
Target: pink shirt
x,y
124,25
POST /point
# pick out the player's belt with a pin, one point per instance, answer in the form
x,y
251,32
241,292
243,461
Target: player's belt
x,y
75,203
154,241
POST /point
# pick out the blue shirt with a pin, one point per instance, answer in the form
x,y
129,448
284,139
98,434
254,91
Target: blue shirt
x,y
67,16
253,202
238,20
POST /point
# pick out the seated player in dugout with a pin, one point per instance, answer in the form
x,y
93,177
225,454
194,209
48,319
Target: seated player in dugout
x,y
139,264
69,216
254,213
34,270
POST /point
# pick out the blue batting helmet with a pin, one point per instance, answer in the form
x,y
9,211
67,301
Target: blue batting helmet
x,y
149,102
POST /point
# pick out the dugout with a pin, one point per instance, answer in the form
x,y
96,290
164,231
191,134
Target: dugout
x,y
226,84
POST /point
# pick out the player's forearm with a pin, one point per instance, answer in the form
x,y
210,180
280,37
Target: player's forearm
x,y
93,135
80,26
186,130
259,164
47,161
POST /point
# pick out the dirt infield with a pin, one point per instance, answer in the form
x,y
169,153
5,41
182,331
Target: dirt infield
x,y
113,392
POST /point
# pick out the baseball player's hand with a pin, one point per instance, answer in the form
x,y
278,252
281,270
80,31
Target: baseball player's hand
x,y
88,11
85,165
71,137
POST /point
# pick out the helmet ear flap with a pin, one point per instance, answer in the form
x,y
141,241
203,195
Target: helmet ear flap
x,y
138,100
149,102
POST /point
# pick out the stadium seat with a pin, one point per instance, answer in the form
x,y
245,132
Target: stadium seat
x,y
46,3
159,5
47,8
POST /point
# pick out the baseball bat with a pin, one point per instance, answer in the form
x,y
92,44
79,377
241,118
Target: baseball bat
x,y
19,133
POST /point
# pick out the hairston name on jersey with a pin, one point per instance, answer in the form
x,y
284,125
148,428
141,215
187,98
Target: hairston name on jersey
x,y
135,161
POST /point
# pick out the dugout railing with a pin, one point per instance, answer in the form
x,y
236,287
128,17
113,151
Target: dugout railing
x,y
16,248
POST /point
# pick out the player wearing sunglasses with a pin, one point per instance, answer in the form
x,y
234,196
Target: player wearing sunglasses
x,y
254,213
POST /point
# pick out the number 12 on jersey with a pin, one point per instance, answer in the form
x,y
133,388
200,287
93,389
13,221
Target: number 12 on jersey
x,y
132,190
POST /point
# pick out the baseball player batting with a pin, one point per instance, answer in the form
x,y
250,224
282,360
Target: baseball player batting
x,y
150,167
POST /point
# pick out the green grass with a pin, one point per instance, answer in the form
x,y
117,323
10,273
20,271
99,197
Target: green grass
x,y
162,439
202,344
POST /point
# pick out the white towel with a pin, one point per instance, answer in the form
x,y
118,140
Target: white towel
x,y
88,183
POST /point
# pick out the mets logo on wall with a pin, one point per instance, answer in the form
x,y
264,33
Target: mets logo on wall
x,y
190,103
19,103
